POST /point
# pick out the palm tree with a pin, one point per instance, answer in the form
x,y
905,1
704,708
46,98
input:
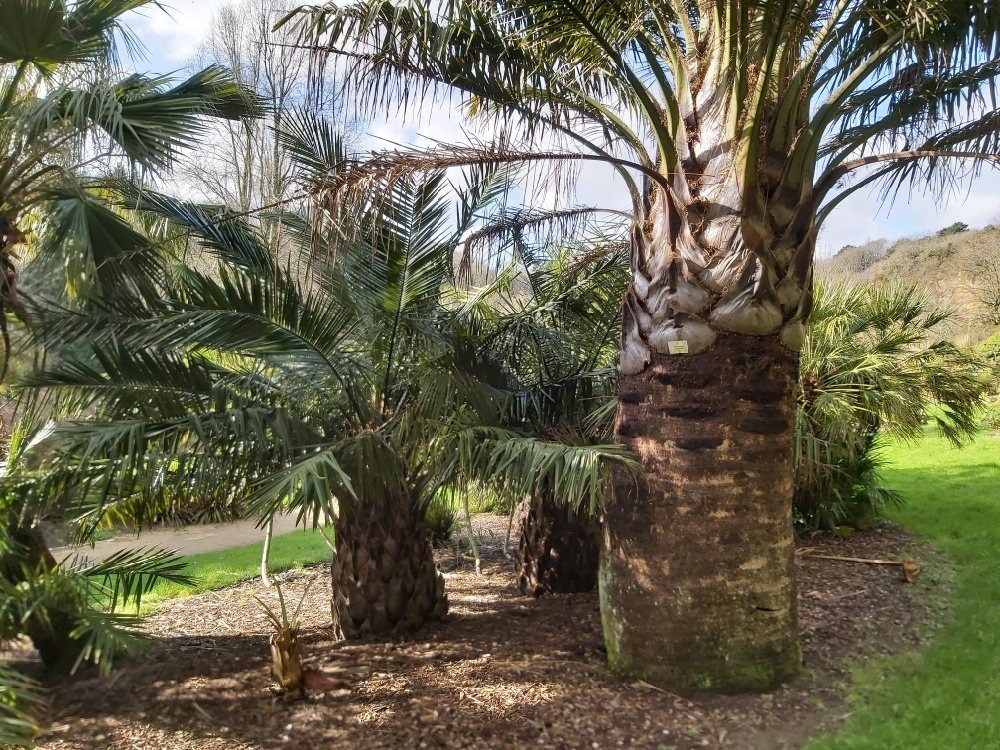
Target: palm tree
x,y
68,113
333,386
872,367
546,319
735,127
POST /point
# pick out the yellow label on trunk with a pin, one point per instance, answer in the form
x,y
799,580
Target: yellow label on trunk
x,y
677,347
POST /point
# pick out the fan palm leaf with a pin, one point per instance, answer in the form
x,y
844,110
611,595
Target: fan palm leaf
x,y
873,368
65,110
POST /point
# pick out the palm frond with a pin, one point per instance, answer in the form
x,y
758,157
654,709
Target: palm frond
x,y
143,117
105,635
95,250
20,702
307,485
316,149
872,366
46,33
128,574
230,238
580,475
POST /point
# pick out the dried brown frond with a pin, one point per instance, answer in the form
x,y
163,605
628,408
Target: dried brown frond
x,y
512,229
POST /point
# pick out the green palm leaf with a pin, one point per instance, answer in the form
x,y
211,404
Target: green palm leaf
x,y
20,701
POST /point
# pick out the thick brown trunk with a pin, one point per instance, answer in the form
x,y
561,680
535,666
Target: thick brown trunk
x,y
384,577
697,584
49,628
559,549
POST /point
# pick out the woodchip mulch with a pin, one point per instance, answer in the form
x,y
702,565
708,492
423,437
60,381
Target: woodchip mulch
x,y
502,671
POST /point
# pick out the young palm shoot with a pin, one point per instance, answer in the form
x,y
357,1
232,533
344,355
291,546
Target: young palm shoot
x,y
286,650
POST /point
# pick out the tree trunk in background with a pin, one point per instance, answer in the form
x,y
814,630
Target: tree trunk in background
x,y
49,631
384,576
558,551
697,582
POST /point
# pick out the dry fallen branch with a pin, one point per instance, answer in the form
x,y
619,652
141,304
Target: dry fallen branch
x,y
909,568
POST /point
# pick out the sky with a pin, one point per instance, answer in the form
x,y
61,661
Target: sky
x,y
172,41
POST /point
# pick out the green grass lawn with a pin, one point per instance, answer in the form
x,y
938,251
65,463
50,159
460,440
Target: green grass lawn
x,y
214,570
946,697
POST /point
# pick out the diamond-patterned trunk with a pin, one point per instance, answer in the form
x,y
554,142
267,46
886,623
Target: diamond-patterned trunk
x,y
697,584
559,549
384,576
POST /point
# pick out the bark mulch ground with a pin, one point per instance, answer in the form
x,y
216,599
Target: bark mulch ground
x,y
502,670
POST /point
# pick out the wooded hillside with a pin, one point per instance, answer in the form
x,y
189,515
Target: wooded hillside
x,y
958,266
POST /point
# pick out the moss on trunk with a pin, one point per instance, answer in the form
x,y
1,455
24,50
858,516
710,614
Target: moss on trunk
x,y
697,583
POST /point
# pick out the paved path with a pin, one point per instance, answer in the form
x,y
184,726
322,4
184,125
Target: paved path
x,y
189,540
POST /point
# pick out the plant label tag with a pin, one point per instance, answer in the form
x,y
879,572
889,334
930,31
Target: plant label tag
x,y
677,347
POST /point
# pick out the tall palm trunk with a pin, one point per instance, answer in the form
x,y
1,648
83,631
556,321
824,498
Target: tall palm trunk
x,y
558,550
697,586
384,576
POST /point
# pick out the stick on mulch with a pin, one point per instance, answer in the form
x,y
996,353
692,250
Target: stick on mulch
x,y
910,568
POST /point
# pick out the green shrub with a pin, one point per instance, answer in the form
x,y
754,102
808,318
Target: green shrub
x,y
442,514
990,419
990,346
846,488
488,498
957,228
872,366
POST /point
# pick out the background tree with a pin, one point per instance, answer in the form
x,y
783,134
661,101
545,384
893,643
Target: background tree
x,y
983,273
957,228
736,128
241,164
856,259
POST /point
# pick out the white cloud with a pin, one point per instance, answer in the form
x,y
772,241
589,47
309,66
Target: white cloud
x,y
172,38
861,217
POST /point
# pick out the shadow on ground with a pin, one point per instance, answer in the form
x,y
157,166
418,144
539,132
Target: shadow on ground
x,y
501,671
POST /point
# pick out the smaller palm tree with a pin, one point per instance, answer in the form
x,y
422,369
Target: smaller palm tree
x,y
551,319
330,382
873,368
73,610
